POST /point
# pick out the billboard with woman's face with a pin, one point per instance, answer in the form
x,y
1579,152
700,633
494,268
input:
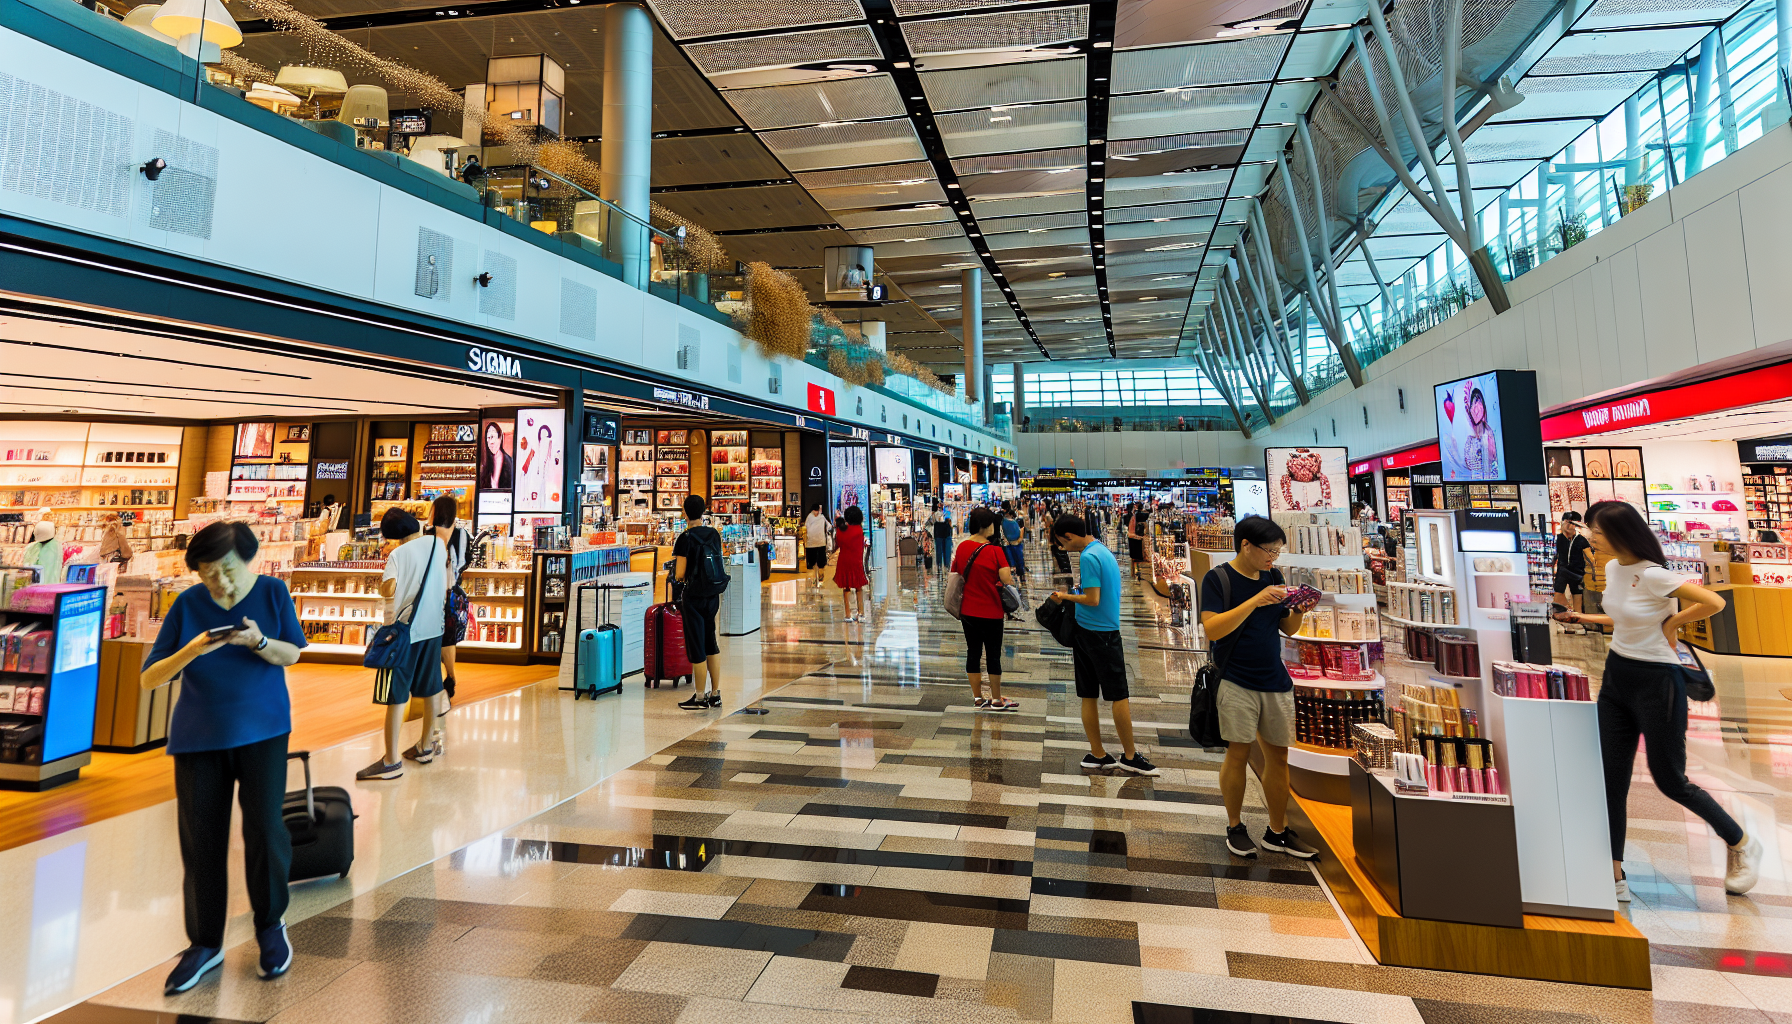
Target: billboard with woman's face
x,y
497,465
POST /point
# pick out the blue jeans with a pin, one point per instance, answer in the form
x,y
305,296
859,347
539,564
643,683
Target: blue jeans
x,y
1016,558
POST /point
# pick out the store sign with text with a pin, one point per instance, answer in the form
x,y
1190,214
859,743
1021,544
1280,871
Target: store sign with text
x,y
1751,387
821,400
494,364
672,396
1412,457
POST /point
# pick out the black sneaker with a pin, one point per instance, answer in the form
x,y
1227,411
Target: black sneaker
x,y
715,699
194,963
276,951
1238,840
380,770
1137,765
695,702
1287,842
1091,763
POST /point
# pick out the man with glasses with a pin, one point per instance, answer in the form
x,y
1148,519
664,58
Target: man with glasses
x,y
1243,612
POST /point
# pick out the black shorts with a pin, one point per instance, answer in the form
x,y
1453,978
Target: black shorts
x,y
1100,663
1135,549
817,557
419,676
700,627
1566,584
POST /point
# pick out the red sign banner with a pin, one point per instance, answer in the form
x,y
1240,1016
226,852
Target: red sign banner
x,y
1412,457
821,400
1752,387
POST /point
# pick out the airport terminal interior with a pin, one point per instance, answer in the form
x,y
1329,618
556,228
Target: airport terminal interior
x,y
850,511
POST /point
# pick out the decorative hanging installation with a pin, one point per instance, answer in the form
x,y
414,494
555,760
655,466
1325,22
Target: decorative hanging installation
x,y
325,48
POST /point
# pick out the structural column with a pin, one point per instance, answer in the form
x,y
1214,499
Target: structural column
x,y
971,320
627,151
873,333
1019,413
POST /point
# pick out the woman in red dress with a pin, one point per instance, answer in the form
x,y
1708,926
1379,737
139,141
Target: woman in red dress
x,y
849,570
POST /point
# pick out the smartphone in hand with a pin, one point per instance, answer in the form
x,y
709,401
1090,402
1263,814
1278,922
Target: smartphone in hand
x,y
223,632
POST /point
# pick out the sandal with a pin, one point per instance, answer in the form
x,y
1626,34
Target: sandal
x,y
981,703
1004,704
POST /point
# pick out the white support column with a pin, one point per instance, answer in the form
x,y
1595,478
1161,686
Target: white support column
x,y
970,297
627,149
1018,415
873,333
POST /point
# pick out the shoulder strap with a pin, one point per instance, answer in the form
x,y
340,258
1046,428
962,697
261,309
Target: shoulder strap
x,y
428,565
1219,665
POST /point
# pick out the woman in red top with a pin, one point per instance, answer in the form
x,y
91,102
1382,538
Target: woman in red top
x,y
849,571
980,561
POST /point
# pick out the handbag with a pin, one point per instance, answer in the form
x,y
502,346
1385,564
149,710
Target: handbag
x,y
1203,704
390,646
1058,619
955,587
1693,674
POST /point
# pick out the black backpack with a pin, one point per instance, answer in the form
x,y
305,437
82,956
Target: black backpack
x,y
706,573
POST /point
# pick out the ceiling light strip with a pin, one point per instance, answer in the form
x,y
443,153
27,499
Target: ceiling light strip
x,y
882,17
1100,69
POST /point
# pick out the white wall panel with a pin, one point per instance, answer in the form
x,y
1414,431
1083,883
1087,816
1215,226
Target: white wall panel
x,y
1767,242
1718,280
1668,335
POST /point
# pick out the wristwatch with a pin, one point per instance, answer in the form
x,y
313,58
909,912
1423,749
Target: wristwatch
x,y
264,643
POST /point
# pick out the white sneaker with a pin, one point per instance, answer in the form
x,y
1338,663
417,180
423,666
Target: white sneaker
x,y
1623,890
1745,866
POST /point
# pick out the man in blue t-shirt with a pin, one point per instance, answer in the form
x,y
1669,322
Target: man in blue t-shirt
x,y
1242,603
1096,652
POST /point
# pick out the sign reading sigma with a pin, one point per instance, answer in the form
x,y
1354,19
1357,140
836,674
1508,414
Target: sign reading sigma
x,y
684,398
497,364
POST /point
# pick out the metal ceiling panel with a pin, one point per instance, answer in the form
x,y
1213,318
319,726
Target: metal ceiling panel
x,y
1316,54
1610,14
1012,129
907,233
846,144
982,208
1001,225
740,209
852,99
1038,238
1603,52
1006,30
1157,22
688,19
1573,95
784,50
881,174
1161,228
1143,115
1168,188
854,220
701,159
1532,141
854,197
1128,214
1004,84
1252,59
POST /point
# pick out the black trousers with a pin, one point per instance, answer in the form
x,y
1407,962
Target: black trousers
x,y
1648,699
203,785
982,635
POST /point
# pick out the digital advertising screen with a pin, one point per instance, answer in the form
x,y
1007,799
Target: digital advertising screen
x,y
497,465
1489,427
893,466
540,460
848,475
1302,479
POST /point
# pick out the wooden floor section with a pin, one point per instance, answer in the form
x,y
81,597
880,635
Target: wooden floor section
x,y
331,703
1611,953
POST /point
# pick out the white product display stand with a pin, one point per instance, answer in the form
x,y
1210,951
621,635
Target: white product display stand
x,y
740,612
631,593
1547,753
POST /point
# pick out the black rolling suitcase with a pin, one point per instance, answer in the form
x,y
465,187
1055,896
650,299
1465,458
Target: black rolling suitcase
x,y
322,823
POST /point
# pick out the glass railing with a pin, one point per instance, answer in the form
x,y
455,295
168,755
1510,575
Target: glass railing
x,y
1719,96
1106,419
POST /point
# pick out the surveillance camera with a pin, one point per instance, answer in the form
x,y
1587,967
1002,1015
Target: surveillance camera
x,y
485,280
154,168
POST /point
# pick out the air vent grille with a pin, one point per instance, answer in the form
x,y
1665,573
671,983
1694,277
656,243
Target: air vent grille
x,y
578,310
61,149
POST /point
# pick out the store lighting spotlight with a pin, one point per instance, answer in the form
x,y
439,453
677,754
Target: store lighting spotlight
x,y
153,169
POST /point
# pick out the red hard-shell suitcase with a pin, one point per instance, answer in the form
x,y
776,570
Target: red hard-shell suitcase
x,y
665,654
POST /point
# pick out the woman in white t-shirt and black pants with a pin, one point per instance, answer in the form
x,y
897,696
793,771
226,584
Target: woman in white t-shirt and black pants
x,y
1642,693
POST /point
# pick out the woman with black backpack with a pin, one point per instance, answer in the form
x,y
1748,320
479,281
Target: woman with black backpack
x,y
703,573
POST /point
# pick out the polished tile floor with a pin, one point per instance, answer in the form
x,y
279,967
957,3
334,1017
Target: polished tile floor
x,y
870,848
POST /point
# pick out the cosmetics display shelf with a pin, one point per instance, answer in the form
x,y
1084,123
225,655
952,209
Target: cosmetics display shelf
x,y
1378,683
1332,639
1424,625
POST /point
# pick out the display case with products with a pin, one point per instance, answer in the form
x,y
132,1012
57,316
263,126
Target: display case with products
x,y
389,464
1767,496
270,468
77,466
49,682
672,467
766,476
729,464
634,472
447,461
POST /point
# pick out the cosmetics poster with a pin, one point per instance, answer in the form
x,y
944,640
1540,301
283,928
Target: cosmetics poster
x,y
497,465
255,441
893,465
540,460
1306,478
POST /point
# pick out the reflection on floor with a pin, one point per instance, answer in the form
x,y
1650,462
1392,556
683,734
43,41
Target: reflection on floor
x,y
331,703
873,849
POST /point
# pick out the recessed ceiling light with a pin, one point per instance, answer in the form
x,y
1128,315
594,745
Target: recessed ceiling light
x,y
952,185
1097,179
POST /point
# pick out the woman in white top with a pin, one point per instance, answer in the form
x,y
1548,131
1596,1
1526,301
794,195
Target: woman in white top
x,y
1643,693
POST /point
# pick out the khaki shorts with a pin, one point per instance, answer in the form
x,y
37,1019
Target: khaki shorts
x,y
1247,714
